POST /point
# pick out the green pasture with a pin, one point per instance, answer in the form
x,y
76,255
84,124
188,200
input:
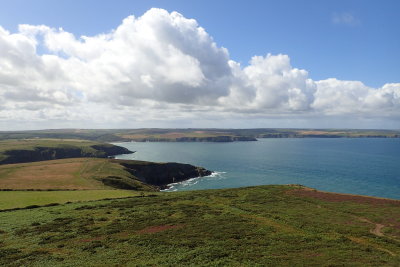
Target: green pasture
x,y
255,226
21,199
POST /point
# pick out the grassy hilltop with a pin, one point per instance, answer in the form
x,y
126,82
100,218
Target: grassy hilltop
x,y
65,180
67,174
256,226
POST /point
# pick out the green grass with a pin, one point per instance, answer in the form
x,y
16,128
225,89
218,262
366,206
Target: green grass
x,y
21,199
256,226
67,174
30,144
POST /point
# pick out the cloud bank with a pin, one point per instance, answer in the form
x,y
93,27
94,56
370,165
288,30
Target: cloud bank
x,y
163,67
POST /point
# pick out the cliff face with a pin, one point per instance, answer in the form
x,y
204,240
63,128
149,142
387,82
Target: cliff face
x,y
62,152
162,174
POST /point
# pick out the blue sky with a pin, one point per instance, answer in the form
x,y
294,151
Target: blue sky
x,y
304,63
367,49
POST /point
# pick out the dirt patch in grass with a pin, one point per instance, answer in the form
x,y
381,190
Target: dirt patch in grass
x,y
335,197
159,228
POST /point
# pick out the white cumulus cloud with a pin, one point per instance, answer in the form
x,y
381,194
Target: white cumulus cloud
x,y
163,66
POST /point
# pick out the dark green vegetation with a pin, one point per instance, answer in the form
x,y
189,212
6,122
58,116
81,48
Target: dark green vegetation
x,y
256,226
195,135
30,150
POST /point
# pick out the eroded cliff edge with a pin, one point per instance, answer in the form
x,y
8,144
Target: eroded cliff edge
x,y
161,174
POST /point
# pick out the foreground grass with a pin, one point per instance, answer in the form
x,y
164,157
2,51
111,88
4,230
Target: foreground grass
x,y
256,226
21,199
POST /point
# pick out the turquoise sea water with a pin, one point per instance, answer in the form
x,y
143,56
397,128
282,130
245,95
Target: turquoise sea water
x,y
365,166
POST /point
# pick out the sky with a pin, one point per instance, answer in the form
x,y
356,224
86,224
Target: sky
x,y
188,64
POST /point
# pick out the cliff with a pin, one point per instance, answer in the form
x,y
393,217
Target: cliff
x,y
41,153
86,173
162,174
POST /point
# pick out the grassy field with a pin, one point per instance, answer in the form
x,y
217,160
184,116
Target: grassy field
x,y
22,199
256,226
76,173
32,143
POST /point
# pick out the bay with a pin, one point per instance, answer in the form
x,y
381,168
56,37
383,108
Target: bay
x,y
364,166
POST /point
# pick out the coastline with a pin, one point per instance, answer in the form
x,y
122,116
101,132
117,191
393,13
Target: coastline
x,y
351,166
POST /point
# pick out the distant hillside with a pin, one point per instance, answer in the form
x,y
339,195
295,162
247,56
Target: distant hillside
x,y
196,134
31,150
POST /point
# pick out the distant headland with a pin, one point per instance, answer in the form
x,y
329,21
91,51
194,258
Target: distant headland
x,y
196,134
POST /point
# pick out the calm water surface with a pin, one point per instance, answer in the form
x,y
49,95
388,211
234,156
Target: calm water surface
x,y
366,166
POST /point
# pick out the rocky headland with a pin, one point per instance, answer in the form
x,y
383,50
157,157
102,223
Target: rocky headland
x,y
162,174
41,153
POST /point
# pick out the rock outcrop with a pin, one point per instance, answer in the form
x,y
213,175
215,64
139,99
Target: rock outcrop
x,y
162,174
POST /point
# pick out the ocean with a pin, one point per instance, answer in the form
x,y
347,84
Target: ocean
x,y
364,166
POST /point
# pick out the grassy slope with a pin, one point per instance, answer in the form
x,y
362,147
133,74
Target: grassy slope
x,y
76,173
22,199
30,144
257,226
